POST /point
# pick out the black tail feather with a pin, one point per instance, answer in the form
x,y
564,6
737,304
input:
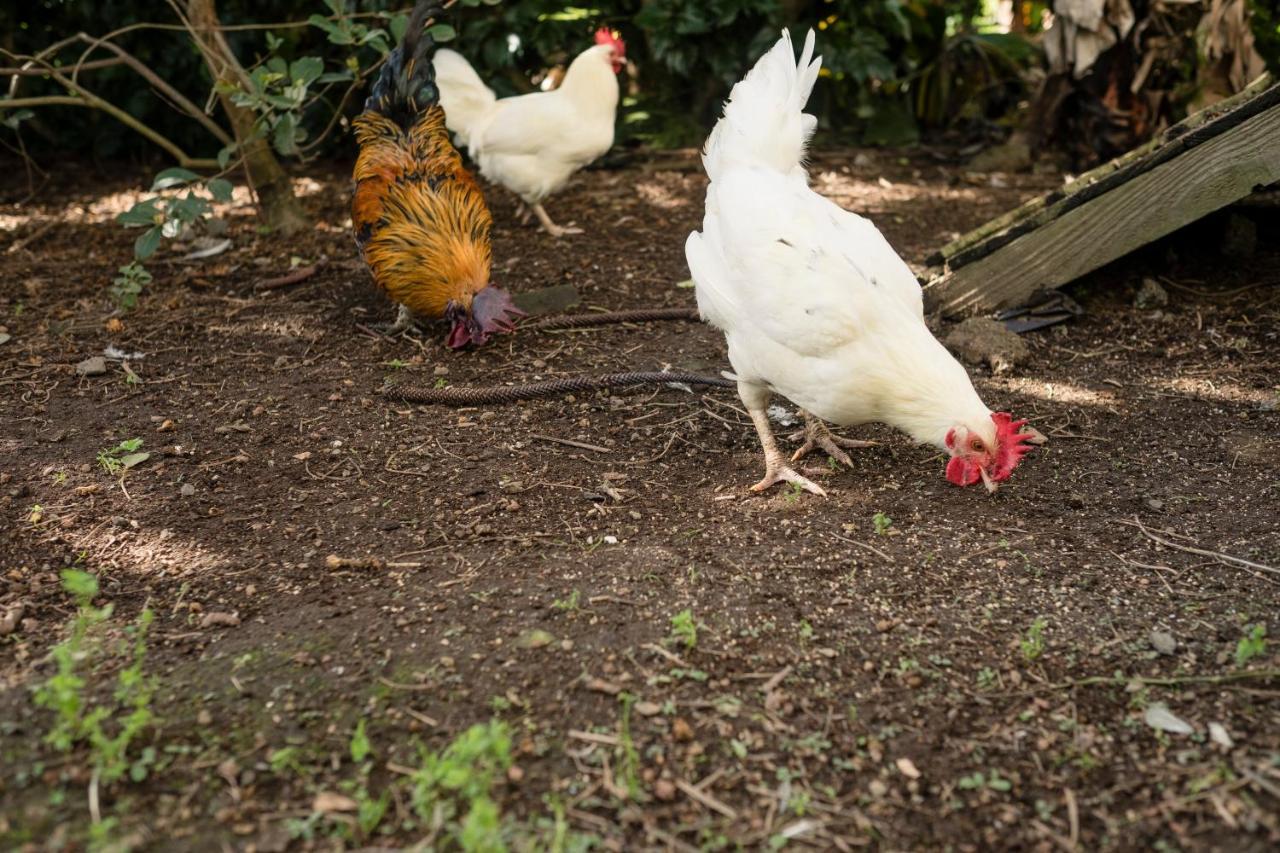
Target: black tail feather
x,y
407,84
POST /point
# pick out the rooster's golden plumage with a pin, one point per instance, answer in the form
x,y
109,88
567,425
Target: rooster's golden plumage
x,y
419,216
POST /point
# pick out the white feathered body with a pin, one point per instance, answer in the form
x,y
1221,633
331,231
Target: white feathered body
x,y
532,144
814,302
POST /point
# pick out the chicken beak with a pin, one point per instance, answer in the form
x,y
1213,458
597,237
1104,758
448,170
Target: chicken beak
x,y
988,482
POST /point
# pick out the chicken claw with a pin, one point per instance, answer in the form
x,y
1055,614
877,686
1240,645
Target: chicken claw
x,y
776,470
550,227
816,435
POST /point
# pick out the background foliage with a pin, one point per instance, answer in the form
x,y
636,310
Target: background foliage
x,y
895,70
897,67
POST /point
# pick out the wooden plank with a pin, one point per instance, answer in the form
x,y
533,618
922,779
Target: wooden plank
x,y
1193,129
1175,193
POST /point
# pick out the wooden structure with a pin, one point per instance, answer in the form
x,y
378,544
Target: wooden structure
x,y
1214,158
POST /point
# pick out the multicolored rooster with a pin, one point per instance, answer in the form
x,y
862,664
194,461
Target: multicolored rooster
x,y
419,216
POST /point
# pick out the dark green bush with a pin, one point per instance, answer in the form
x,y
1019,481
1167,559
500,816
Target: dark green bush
x,y
894,68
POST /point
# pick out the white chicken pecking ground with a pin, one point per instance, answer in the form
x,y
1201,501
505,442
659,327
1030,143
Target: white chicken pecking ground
x,y
814,302
532,144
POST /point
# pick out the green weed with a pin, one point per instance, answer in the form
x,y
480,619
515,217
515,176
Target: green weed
x,y
1253,644
570,602
684,629
77,720
116,460
1033,644
450,791
882,523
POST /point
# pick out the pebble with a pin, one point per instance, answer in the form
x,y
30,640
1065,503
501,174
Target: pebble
x,y
95,366
187,490
1163,642
665,790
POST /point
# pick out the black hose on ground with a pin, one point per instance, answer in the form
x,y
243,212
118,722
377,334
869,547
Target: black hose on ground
x,y
495,394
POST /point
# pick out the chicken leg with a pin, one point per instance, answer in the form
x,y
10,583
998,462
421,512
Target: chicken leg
x,y
817,435
404,321
550,227
776,469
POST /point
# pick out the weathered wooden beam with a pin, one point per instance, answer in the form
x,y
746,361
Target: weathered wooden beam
x,y
989,236
1154,202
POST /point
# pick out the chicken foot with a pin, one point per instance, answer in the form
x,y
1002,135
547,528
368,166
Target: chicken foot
x,y
404,321
776,469
550,227
816,435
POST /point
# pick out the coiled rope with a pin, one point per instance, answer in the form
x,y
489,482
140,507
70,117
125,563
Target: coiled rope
x,y
586,321
494,394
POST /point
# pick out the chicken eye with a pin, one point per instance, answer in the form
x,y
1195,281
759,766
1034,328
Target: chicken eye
x,y
976,445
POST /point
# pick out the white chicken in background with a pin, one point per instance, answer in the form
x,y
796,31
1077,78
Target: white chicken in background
x,y
815,304
532,144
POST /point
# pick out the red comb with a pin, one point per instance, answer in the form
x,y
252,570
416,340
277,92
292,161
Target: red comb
x,y
604,35
1011,445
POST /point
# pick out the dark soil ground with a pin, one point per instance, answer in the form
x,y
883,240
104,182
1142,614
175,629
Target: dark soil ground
x,y
679,663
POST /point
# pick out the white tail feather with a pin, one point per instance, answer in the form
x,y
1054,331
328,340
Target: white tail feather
x,y
464,96
764,123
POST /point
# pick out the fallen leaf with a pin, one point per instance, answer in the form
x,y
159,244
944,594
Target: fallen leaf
x,y
907,768
535,639
328,802
599,685
1160,718
1218,734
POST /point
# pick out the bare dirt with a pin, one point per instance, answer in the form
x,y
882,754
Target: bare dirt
x,y
866,669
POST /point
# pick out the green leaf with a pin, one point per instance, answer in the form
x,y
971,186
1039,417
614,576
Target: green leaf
x,y
360,747
173,178
306,69
224,156
285,136
146,245
442,33
16,118
143,213
397,25
134,459
220,189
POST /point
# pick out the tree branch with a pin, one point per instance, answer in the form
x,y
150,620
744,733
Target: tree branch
x,y
92,101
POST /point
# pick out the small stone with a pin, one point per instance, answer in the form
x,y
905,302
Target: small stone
x,y
187,490
1154,504
681,729
515,774
219,620
95,366
885,625
981,340
204,718
648,709
665,790
1150,295
878,788
1218,734
1163,642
